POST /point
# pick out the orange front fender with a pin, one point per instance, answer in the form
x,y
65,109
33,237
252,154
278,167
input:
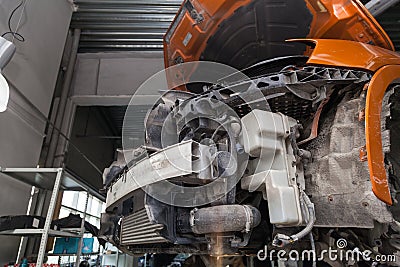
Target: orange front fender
x,y
349,54
376,91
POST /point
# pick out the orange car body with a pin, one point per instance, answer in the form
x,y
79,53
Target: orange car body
x,y
342,33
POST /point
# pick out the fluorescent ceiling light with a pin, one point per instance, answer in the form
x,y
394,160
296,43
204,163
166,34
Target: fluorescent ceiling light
x,y
7,50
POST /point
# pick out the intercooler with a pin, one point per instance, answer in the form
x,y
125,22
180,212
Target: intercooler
x,y
137,229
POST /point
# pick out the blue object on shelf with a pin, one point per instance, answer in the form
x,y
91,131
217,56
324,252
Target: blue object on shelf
x,y
87,245
69,245
24,263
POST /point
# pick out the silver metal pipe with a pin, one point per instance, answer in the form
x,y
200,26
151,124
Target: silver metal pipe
x,y
314,264
137,10
82,232
122,26
104,33
219,219
49,217
122,46
63,99
131,2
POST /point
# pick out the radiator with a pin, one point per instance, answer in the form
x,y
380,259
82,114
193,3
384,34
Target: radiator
x,y
137,229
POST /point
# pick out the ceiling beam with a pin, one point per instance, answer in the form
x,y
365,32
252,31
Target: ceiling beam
x,y
377,7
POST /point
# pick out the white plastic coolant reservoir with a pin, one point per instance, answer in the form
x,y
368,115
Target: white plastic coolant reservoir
x,y
265,135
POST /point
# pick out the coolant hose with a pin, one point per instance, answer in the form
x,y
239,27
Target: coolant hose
x,y
281,240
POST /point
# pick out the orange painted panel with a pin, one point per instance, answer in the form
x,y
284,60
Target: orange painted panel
x,y
376,91
349,54
346,20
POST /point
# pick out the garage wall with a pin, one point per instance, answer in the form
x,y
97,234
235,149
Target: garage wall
x,y
110,79
32,74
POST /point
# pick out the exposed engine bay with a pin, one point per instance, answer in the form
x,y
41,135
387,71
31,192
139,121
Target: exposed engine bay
x,y
278,160
290,185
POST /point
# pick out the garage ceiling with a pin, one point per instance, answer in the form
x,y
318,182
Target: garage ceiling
x,y
390,21
139,25
123,25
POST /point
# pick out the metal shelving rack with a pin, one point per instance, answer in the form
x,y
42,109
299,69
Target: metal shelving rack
x,y
52,179
27,232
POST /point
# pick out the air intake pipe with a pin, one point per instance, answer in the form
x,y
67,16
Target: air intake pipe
x,y
224,218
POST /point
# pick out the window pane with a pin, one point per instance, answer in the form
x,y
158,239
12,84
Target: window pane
x,y
68,198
